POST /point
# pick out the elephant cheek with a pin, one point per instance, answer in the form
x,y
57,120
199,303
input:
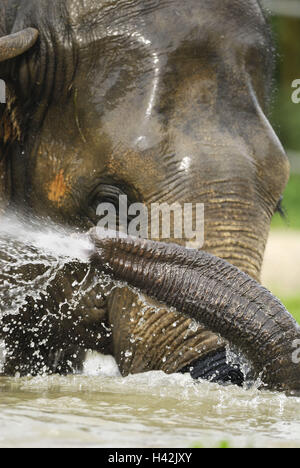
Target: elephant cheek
x,y
58,189
4,188
147,336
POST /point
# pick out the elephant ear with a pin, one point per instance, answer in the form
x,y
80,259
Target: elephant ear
x,y
11,46
16,44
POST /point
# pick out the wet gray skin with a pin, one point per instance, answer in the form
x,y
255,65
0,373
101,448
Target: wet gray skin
x,y
161,101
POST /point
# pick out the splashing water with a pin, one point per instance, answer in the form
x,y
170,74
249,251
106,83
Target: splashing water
x,y
46,238
31,255
45,280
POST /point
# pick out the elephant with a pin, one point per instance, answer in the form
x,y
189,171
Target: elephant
x,y
159,101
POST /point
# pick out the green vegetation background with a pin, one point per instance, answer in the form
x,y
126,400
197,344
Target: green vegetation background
x,y
285,119
291,204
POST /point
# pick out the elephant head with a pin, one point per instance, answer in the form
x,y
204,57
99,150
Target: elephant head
x,y
161,101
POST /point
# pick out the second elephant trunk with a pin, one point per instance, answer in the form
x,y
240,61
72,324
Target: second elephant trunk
x,y
214,293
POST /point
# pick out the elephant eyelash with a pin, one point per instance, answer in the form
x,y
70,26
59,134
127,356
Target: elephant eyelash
x,y
281,209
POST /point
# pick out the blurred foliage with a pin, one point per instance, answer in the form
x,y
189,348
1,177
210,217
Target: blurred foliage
x,y
291,206
223,444
285,114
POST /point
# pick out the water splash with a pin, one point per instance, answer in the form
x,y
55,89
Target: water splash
x,y
30,256
44,237
47,290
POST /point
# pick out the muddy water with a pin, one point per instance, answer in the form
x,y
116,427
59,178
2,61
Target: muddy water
x,y
149,410
101,409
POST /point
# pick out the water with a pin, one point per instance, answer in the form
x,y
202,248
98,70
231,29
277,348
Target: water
x,y
31,255
147,410
99,408
44,238
42,264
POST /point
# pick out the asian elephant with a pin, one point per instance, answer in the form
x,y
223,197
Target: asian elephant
x,y
159,100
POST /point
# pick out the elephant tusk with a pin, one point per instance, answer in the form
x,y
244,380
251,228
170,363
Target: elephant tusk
x,y
16,44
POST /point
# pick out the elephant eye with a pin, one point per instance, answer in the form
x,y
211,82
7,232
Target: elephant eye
x,y
108,195
104,194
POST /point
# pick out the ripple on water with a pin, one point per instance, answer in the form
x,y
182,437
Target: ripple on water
x,y
146,410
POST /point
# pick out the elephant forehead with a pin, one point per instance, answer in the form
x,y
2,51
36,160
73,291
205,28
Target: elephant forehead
x,y
95,19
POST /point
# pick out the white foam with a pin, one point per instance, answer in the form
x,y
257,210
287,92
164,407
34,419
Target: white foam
x,y
47,238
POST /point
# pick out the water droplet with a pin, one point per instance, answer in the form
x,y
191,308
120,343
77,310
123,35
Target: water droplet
x,y
194,326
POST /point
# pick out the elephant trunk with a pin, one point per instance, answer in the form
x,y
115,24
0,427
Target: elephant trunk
x,y
214,293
